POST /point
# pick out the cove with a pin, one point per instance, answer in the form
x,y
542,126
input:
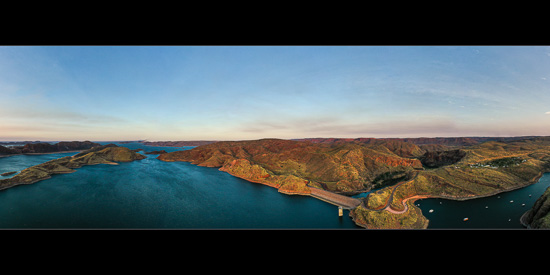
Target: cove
x,y
501,211
151,194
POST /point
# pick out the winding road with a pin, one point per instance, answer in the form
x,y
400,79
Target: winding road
x,y
388,208
350,203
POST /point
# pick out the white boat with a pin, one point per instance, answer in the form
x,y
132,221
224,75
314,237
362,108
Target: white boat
x,y
431,210
523,204
465,219
511,201
486,206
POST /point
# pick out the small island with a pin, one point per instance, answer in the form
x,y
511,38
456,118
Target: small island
x,y
8,173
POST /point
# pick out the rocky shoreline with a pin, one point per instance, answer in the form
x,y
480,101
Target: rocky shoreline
x,y
538,217
285,184
406,212
8,173
349,166
523,218
106,154
527,183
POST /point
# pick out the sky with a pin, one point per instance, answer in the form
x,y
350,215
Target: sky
x,y
161,93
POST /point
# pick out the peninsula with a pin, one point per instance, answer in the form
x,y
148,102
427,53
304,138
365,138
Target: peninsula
x,y
398,170
107,154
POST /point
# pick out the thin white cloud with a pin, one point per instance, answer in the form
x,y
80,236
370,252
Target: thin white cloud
x,y
339,128
548,113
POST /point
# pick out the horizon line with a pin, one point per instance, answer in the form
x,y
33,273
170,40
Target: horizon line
x,y
217,140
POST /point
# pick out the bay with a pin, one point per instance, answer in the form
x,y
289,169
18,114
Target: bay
x,y
501,211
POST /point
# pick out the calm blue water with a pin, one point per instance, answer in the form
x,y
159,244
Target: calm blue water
x,y
20,162
153,194
495,212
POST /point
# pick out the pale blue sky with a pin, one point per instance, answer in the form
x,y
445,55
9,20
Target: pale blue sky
x,y
237,92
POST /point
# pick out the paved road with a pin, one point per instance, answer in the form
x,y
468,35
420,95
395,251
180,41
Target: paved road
x,y
333,198
390,199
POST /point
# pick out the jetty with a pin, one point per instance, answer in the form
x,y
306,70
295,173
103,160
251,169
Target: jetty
x,y
339,200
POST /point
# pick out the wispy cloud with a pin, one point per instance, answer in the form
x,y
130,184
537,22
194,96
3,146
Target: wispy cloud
x,y
548,113
333,127
59,116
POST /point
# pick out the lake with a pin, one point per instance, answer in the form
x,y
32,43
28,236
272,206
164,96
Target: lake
x,y
151,194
